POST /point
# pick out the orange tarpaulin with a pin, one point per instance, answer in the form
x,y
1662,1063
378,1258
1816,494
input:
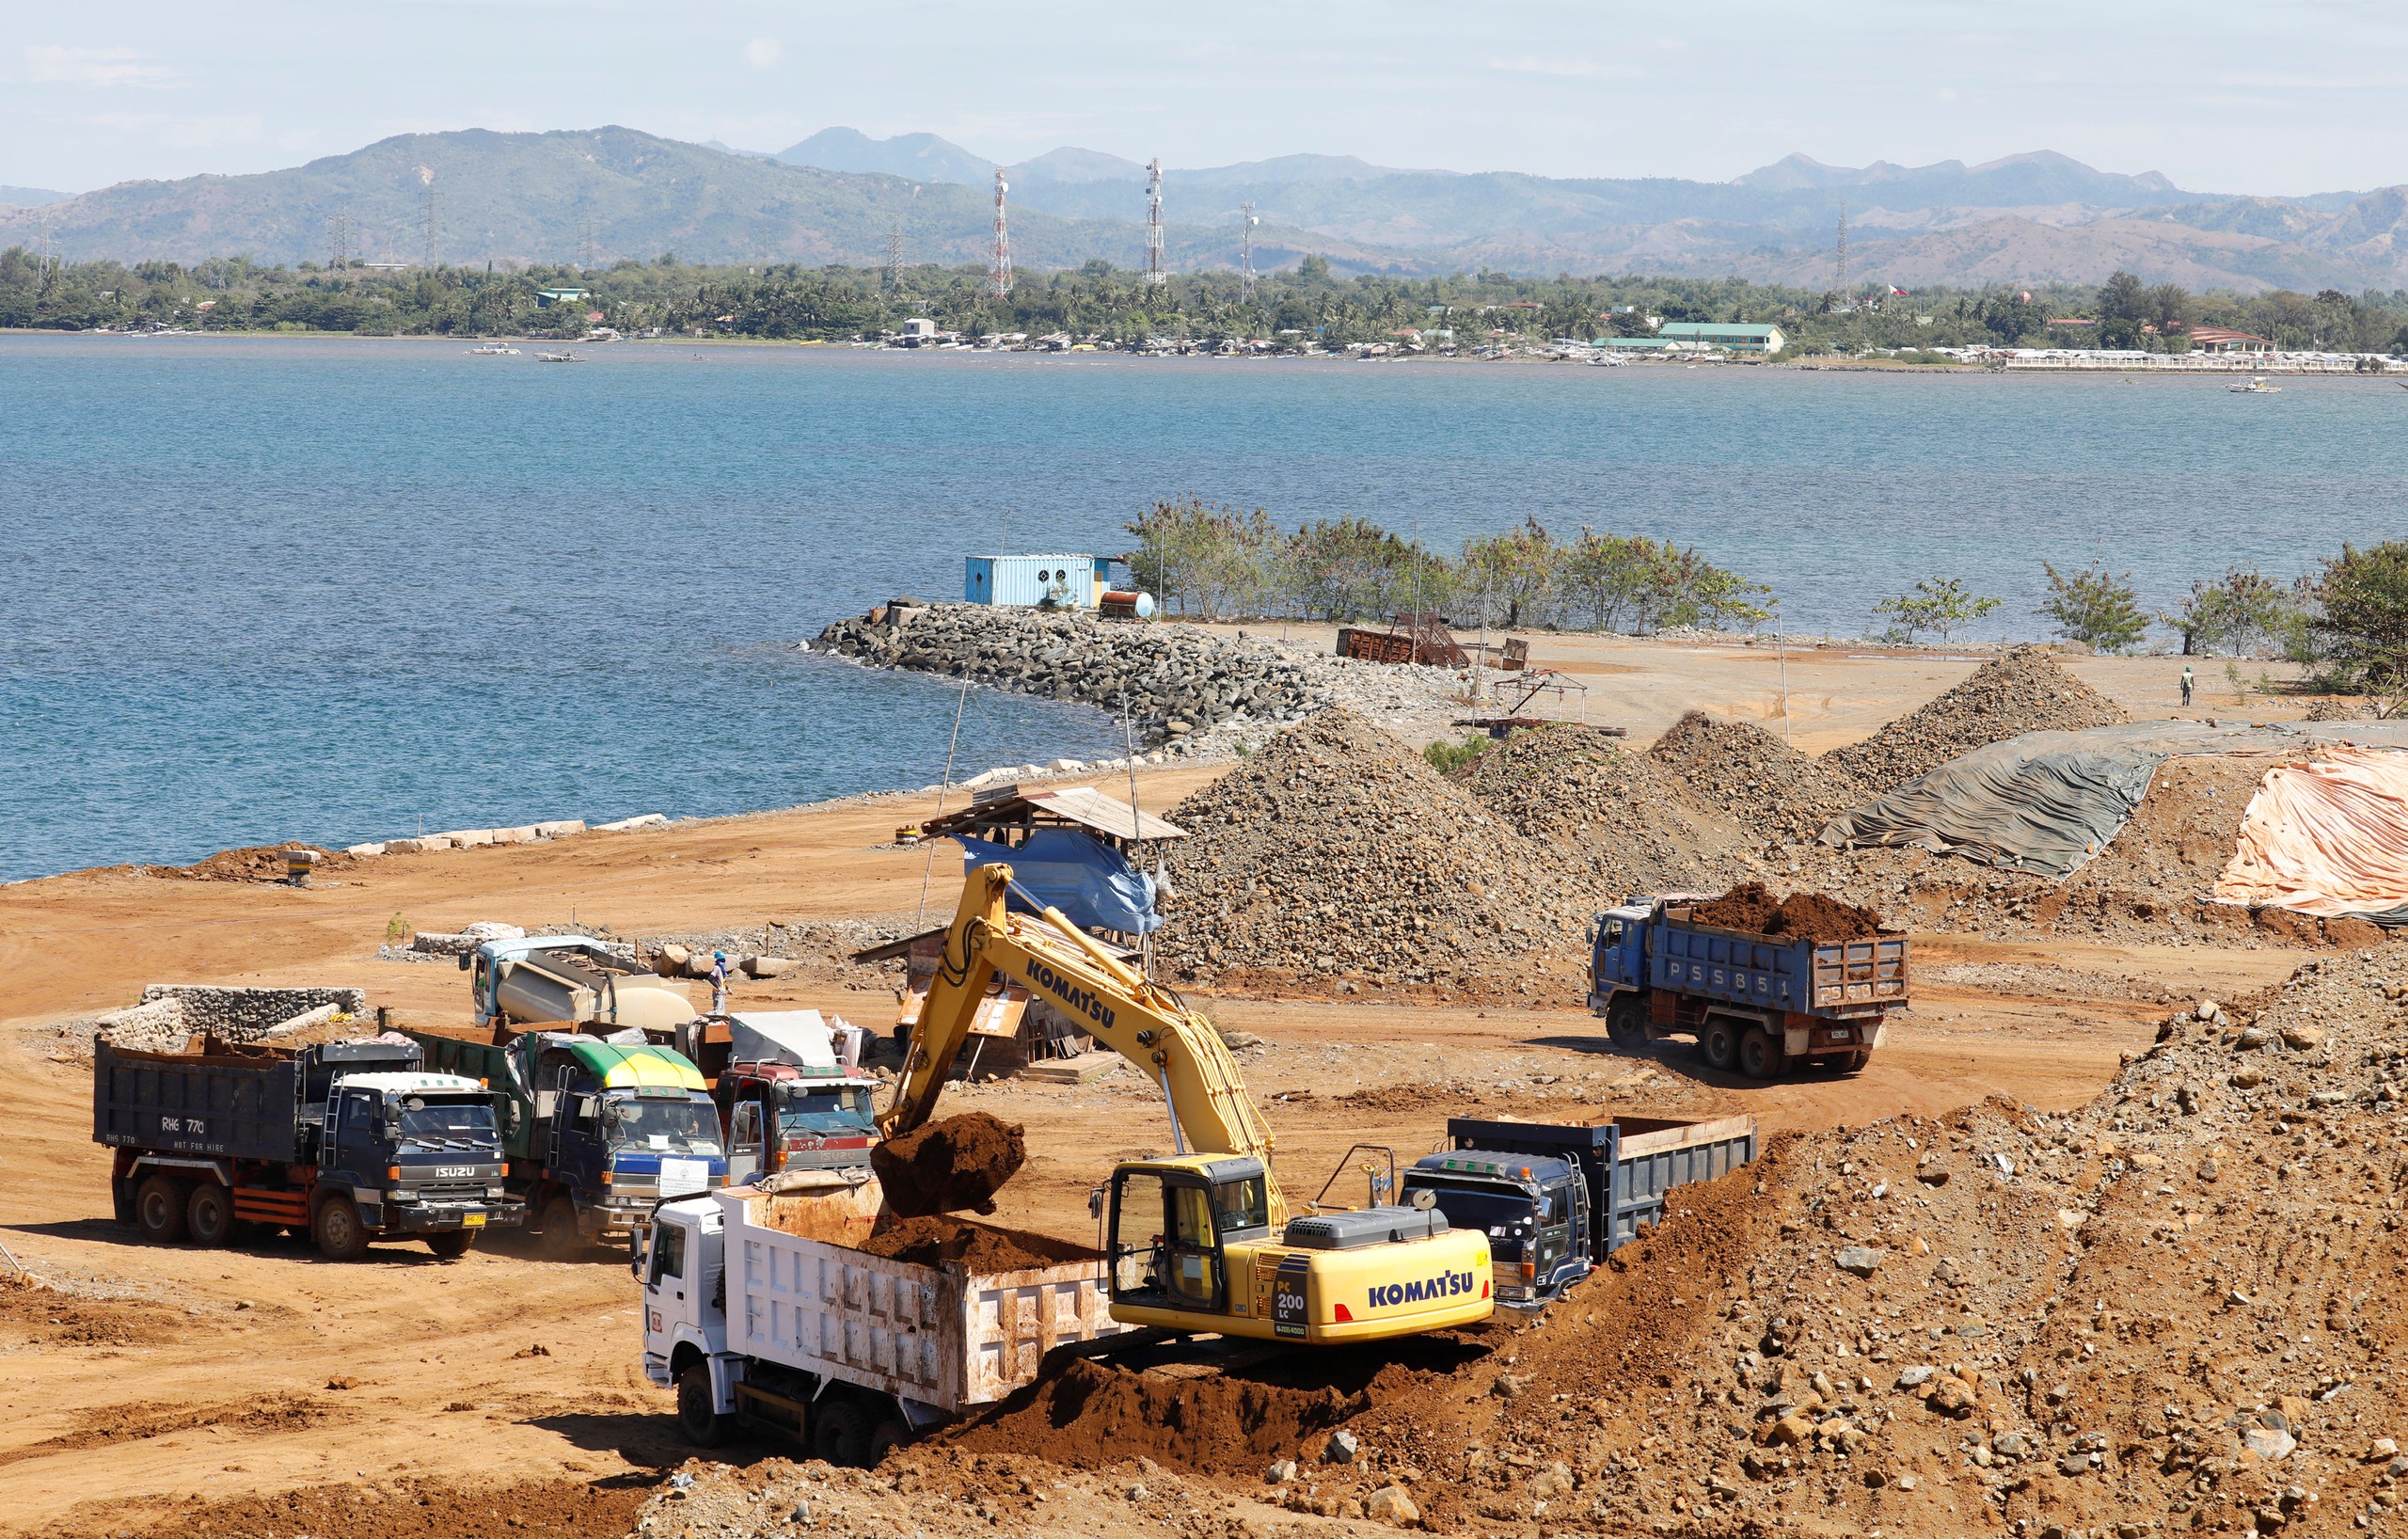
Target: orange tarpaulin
x,y
2328,837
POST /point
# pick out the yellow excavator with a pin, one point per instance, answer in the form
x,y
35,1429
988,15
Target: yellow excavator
x,y
1201,1240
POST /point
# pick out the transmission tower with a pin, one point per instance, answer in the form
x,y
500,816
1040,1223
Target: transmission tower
x,y
999,277
1154,273
895,257
339,238
589,244
428,260
1246,251
1839,278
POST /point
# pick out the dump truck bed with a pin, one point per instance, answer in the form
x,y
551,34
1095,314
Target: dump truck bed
x,y
941,1335
1632,1163
1836,979
247,1104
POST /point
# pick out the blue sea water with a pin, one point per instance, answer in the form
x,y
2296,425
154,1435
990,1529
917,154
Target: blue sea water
x,y
340,590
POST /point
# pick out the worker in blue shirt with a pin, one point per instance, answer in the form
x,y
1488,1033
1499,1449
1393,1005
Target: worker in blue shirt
x,y
719,983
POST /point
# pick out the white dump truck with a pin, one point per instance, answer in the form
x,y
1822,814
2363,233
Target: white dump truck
x,y
758,1308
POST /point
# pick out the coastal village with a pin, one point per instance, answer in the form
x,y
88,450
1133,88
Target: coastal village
x,y
1707,1084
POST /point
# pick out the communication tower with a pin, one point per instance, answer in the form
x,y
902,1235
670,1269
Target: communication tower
x,y
339,238
1246,250
426,174
1154,273
999,277
1839,277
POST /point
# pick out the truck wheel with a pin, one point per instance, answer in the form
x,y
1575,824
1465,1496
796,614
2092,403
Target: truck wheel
x,y
1718,1042
159,1209
337,1232
1626,1023
1759,1055
839,1432
885,1437
1852,1063
209,1216
561,1241
450,1245
698,1415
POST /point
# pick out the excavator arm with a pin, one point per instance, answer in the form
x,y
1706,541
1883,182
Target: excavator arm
x,y
1176,1048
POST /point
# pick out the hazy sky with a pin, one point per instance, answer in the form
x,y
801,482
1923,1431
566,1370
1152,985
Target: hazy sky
x,y
2220,95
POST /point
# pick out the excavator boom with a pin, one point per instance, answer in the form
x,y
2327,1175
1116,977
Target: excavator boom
x,y
1176,1048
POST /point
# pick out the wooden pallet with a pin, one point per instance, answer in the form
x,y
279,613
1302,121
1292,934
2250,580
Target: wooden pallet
x,y
1076,1070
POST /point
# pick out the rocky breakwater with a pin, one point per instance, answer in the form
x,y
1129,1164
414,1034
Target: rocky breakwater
x,y
1180,684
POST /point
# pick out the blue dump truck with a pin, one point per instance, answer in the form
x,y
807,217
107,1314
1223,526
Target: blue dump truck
x,y
598,1132
346,1143
1555,1199
1759,1004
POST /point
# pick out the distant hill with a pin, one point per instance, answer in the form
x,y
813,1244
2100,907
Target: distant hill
x,y
921,157
32,197
834,197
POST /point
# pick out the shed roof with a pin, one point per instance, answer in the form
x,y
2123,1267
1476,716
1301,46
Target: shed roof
x,y
1082,805
1713,328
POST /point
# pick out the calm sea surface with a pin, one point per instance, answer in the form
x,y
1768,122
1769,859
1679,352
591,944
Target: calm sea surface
x,y
255,590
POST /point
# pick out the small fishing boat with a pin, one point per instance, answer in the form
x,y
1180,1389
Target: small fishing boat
x,y
558,358
493,350
2256,385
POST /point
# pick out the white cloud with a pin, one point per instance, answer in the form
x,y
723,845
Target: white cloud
x,y
94,67
761,53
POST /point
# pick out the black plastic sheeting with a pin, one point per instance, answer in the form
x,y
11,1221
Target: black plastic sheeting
x,y
2048,801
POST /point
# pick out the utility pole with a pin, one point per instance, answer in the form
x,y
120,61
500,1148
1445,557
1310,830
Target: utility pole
x,y
1154,273
1245,252
999,276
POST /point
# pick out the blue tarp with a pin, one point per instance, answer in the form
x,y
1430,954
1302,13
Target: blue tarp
x,y
1092,883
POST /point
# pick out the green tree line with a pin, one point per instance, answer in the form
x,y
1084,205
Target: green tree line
x,y
1212,562
1099,302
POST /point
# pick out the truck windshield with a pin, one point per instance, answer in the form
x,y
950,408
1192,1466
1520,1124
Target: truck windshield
x,y
684,1127
837,1108
1493,1210
446,1124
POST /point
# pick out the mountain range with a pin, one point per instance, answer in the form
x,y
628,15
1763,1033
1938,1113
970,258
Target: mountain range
x,y
838,195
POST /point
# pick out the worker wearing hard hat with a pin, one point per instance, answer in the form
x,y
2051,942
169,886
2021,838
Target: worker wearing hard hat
x,y
719,983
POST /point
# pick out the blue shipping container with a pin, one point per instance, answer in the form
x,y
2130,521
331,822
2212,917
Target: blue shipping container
x,y
1069,581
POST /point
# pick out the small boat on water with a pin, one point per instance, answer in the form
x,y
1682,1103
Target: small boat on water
x,y
2256,385
493,350
558,358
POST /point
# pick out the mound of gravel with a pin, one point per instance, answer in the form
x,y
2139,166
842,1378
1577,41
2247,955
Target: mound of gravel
x,y
1776,793
2024,691
1337,856
1625,818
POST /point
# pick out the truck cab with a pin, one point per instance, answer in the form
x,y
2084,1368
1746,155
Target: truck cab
x,y
681,1264
1533,1208
787,1098
418,1153
621,1128
1619,951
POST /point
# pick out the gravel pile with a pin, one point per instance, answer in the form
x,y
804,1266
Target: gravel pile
x,y
2025,691
1623,817
1777,794
1339,857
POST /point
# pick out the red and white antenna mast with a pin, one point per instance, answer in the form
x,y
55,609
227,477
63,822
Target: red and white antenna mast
x,y
1000,278
1154,273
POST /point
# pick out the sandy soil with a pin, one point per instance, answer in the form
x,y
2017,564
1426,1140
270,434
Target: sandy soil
x,y
266,1392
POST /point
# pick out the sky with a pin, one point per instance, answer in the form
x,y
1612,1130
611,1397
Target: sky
x,y
2276,96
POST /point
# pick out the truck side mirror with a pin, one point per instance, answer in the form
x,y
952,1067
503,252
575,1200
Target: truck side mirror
x,y
1095,1203
467,960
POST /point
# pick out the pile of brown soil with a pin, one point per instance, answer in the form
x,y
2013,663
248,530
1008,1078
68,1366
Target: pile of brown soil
x,y
1801,916
398,1509
257,862
1623,818
977,1248
2025,691
942,1167
1337,854
1776,793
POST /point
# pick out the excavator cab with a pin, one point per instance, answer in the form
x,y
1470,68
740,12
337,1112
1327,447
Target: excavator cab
x,y
1173,1222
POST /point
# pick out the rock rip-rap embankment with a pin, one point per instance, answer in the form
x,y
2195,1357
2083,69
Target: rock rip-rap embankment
x,y
1176,681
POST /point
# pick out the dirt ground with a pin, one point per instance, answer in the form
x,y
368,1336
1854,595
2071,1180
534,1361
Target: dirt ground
x,y
263,1391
